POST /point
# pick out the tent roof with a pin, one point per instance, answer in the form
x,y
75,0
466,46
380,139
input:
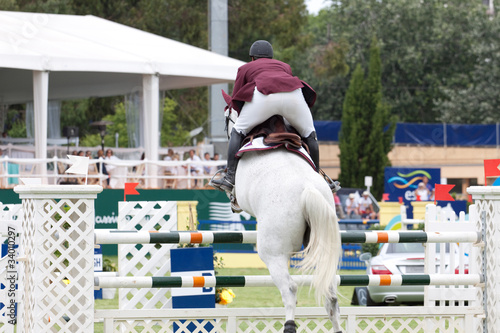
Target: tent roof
x,y
89,56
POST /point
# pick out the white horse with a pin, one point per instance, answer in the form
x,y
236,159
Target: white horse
x,y
286,196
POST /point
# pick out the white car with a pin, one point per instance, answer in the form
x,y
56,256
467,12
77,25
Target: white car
x,y
394,259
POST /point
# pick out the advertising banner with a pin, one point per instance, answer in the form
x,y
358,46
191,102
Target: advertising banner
x,y
402,182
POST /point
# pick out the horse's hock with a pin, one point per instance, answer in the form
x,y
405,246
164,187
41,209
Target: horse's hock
x,y
57,242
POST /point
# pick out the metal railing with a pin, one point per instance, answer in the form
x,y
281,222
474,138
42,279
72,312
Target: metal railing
x,y
149,174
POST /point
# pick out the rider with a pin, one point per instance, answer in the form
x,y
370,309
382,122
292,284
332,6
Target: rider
x,y
263,88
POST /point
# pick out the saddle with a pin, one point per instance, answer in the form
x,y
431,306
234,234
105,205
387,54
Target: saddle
x,y
274,133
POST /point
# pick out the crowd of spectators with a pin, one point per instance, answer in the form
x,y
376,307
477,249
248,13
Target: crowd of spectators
x,y
359,208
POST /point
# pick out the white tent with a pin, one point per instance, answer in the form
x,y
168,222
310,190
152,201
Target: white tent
x,y
50,56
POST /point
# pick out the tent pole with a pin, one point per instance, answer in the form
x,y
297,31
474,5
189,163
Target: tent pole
x,y
40,103
151,109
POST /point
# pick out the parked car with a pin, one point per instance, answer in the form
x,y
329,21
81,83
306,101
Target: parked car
x,y
393,259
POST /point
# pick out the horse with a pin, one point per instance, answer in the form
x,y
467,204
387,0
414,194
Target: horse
x,y
292,202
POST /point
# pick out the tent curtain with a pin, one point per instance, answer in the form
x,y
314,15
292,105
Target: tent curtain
x,y
133,105
53,120
30,120
4,108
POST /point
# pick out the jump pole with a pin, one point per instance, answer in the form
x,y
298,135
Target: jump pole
x,y
113,236
266,281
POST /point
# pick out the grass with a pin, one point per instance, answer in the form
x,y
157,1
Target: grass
x,y
270,296
252,297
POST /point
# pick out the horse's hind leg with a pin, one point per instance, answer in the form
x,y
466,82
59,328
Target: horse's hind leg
x,y
333,310
278,268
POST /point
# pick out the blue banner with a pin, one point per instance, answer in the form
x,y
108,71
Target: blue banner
x,y
402,182
437,134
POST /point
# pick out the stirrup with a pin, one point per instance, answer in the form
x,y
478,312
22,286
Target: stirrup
x,y
217,180
334,185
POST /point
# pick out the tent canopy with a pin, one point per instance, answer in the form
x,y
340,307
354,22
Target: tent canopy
x,y
89,56
55,57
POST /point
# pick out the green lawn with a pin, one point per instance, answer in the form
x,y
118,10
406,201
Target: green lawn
x,y
270,296
253,297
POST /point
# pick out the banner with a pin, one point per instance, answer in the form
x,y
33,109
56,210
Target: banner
x,y
402,182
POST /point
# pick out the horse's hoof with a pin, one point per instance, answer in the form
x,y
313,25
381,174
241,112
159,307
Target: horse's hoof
x,y
290,327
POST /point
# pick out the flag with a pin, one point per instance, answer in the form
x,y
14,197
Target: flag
x,y
80,165
491,169
442,192
130,189
385,197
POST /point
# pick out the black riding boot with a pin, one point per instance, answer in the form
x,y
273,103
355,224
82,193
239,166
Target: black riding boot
x,y
227,182
312,143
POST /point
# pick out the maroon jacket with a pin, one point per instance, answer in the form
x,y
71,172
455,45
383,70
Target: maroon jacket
x,y
270,76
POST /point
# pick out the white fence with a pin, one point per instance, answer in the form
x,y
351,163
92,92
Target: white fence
x,y
149,174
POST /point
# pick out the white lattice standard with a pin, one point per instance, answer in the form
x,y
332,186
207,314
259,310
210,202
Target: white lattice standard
x,y
487,200
451,259
56,258
145,259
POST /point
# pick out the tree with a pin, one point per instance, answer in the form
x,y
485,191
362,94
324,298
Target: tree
x,y
428,48
349,137
367,128
474,97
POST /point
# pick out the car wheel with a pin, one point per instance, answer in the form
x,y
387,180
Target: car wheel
x,y
360,296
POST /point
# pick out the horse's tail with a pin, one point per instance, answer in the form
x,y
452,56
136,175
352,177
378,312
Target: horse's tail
x,y
323,252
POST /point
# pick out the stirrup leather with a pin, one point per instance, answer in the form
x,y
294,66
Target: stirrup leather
x,y
334,185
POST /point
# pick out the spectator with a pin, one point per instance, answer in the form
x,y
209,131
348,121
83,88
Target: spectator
x,y
422,193
169,170
366,206
196,169
169,156
179,170
338,206
100,155
352,207
93,169
207,168
425,180
216,168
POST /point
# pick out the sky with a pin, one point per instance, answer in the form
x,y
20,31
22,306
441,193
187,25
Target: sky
x,y
313,6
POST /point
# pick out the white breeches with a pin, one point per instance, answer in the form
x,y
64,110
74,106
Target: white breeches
x,y
291,105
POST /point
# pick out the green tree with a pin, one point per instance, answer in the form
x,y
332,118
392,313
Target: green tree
x,y
350,134
172,131
119,126
367,128
428,48
474,96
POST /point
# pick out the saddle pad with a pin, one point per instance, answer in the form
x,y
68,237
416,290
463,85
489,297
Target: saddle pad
x,y
258,144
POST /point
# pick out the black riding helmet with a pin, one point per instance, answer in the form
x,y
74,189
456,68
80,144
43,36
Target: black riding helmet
x,y
261,49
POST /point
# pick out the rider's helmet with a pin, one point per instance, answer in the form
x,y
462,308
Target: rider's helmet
x,y
261,49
